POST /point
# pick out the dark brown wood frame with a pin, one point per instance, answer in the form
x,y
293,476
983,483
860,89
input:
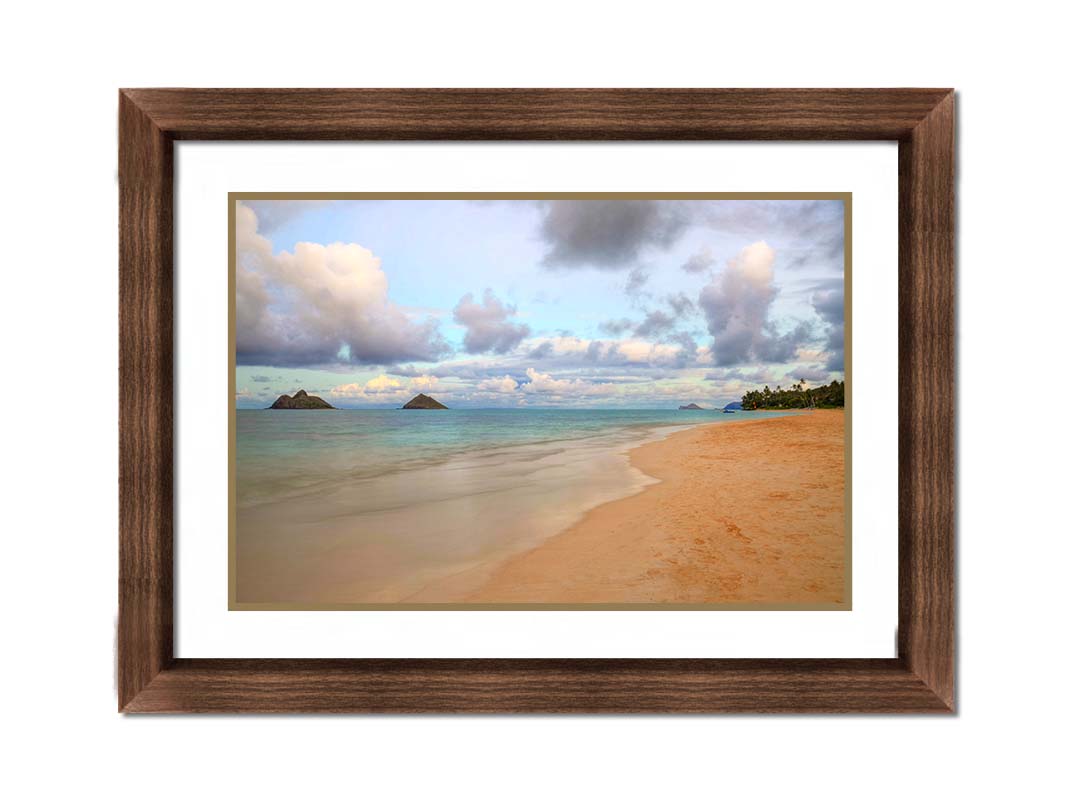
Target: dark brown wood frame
x,y
920,679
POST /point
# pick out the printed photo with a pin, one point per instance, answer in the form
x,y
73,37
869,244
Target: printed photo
x,y
558,401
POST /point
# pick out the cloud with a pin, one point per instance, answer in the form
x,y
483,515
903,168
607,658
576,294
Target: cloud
x,y
320,305
423,383
608,234
806,233
542,383
699,261
543,350
383,383
636,281
382,388
811,373
829,304
616,327
348,390
262,378
680,304
505,385
488,328
777,347
655,325
465,370
658,324
573,352
757,375
736,304
616,234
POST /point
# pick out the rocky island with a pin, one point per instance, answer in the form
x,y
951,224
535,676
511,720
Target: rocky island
x,y
691,407
301,400
423,402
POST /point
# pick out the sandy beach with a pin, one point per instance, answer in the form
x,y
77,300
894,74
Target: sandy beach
x,y
747,513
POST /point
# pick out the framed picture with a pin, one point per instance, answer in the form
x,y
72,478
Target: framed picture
x,y
536,400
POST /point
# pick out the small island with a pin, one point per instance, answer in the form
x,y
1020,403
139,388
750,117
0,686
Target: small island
x,y
691,407
302,401
423,402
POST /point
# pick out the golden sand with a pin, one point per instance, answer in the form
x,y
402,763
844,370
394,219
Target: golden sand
x,y
747,512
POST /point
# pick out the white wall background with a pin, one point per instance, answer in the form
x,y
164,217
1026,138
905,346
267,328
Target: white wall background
x,y
58,308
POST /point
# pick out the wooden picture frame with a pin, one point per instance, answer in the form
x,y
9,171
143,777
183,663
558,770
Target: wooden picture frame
x,y
919,679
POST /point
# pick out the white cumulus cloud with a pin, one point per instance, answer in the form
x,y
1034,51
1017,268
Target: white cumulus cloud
x,y
383,388
505,385
320,304
542,383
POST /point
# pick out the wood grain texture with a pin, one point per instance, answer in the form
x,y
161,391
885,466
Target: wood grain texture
x,y
537,686
538,114
146,449
920,680
926,425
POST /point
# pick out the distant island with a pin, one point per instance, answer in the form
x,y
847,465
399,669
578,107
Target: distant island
x,y
734,406
691,407
301,400
832,395
424,402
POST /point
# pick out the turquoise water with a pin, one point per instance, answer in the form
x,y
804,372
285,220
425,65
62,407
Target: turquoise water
x,y
281,453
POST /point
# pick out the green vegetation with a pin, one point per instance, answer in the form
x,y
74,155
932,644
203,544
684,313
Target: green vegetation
x,y
796,396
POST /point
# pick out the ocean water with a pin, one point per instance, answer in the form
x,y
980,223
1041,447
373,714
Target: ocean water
x,y
287,453
391,506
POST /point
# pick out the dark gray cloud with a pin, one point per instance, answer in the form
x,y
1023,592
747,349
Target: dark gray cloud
x,y
687,342
608,234
616,327
615,234
736,304
262,378
320,306
699,262
810,373
681,304
829,304
660,325
488,326
543,350
776,347
656,325
636,282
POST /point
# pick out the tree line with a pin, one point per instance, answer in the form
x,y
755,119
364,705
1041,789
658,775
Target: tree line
x,y
799,395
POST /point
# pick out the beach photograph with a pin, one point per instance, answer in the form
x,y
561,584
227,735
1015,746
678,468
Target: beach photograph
x,y
559,401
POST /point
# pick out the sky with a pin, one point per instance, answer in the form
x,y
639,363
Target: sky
x,y
635,303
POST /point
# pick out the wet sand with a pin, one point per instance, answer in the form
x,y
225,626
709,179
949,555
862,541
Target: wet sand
x,y
752,512
429,533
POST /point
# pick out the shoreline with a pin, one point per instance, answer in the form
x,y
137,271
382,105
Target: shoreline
x,y
747,513
432,533
666,519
